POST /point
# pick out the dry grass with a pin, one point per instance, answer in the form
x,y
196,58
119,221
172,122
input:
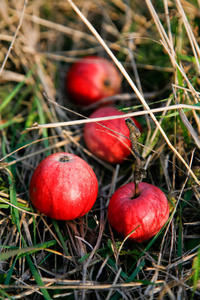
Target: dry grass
x,y
156,50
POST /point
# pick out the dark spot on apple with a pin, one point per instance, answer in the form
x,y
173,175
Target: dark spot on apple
x,y
64,159
107,82
34,189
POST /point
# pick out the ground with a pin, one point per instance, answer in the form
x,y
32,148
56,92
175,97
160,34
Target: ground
x,y
155,46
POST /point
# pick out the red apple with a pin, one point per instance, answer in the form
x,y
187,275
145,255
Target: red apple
x,y
146,213
63,187
104,143
91,79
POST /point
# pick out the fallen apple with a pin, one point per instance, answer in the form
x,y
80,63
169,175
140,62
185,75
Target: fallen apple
x,y
91,79
63,187
145,215
110,146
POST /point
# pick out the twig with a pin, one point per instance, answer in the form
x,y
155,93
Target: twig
x,y
114,282
139,171
14,37
132,114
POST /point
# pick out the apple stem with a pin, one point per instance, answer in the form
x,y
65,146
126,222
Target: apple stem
x,y
137,179
136,194
139,171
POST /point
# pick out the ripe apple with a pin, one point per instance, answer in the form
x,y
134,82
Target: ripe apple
x,y
91,79
63,186
104,143
146,213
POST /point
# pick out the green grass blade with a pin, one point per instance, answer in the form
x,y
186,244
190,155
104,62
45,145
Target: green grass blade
x,y
176,113
15,91
55,224
42,121
13,200
20,251
10,272
37,278
196,267
11,95
12,191
137,270
5,295
113,265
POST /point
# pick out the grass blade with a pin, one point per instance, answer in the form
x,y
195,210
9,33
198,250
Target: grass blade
x,y
38,278
15,91
55,224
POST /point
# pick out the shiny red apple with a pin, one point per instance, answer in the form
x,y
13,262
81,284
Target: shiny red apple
x,y
146,213
63,186
112,147
91,79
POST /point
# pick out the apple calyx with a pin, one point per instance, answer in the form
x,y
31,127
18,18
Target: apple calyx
x,y
64,159
107,82
139,170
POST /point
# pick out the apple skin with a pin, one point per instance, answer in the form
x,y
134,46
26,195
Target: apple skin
x,y
105,144
91,79
63,190
150,210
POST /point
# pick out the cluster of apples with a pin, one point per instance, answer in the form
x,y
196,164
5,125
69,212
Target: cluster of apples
x,y
65,187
